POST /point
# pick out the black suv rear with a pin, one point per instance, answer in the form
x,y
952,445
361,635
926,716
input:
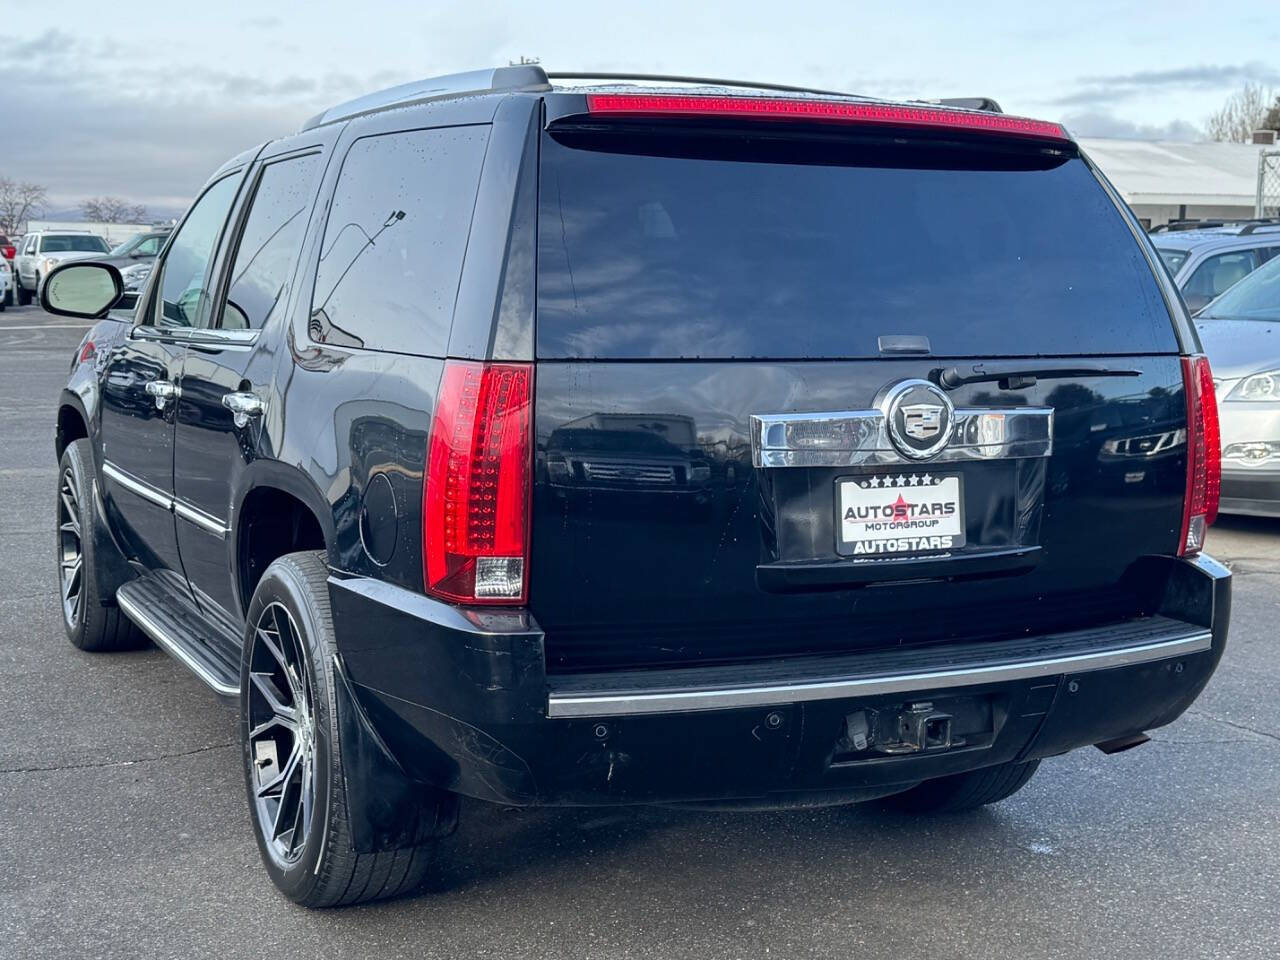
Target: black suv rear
x,y
631,444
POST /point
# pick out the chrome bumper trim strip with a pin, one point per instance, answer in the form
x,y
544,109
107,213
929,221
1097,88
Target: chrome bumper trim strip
x,y
681,701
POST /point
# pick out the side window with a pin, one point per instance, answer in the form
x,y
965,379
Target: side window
x,y
148,247
393,246
1216,274
31,245
268,245
181,299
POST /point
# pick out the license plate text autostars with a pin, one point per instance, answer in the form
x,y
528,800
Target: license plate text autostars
x,y
901,514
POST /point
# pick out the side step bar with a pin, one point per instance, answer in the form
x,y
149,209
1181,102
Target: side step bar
x,y
184,632
874,673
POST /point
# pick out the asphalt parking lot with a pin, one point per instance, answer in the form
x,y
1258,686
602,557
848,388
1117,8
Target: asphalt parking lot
x,y
124,830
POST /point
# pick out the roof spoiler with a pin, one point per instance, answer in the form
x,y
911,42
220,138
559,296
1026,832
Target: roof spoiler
x,y
527,76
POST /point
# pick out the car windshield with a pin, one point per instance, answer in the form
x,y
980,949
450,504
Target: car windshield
x,y
1256,297
1173,259
81,243
123,249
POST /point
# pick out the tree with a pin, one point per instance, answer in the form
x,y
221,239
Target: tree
x,y
112,210
1272,120
1245,111
19,202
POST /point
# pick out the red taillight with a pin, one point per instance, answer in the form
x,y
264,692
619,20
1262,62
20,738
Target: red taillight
x,y
782,108
1204,455
9,251
475,498
88,351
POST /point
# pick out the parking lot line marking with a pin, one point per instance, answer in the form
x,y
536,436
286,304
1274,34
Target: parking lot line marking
x,y
48,326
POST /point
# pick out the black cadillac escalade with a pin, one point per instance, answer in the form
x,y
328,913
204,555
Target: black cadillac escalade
x,y
640,443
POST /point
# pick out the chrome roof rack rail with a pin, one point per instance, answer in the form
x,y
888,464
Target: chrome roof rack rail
x,y
704,81
519,77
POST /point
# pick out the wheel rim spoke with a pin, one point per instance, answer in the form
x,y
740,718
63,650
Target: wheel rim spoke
x,y
267,688
274,721
278,784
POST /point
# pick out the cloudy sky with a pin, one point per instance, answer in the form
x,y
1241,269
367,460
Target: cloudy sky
x,y
143,101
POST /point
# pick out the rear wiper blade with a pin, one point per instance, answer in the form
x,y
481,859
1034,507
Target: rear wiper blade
x,y
1018,376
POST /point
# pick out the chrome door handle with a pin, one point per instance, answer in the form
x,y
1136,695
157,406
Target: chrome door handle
x,y
243,406
163,391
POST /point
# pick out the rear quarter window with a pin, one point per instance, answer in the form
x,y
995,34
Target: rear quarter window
x,y
395,239
664,247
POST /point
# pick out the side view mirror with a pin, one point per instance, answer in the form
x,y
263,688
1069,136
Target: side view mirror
x,y
84,290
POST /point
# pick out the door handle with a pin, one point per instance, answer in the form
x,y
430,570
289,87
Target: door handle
x,y
163,391
243,406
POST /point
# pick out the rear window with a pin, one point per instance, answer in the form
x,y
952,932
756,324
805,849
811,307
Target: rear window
x,y
394,242
1173,259
74,244
676,247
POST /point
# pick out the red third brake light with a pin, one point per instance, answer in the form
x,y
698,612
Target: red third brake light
x,y
846,111
475,498
1204,455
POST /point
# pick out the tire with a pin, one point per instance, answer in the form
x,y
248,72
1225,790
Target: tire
x,y
92,620
24,295
964,791
322,869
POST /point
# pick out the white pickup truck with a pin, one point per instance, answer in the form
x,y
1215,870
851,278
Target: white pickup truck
x,y
41,252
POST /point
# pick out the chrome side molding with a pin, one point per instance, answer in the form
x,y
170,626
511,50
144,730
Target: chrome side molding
x,y
205,521
135,486
634,703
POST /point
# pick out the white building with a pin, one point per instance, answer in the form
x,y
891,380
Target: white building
x,y
1163,181
113,233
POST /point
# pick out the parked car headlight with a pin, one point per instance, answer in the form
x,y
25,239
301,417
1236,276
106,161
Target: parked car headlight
x,y
1260,386
49,264
135,276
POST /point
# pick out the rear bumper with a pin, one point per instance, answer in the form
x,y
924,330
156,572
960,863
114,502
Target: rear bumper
x,y
462,700
1250,490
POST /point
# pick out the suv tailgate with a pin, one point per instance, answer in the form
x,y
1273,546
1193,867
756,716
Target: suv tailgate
x,y
688,284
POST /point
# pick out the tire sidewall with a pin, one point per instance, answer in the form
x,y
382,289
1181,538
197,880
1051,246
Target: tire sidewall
x,y
280,584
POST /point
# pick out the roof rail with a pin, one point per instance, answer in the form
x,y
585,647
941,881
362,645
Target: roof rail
x,y
1267,223
1187,224
705,81
1247,224
519,77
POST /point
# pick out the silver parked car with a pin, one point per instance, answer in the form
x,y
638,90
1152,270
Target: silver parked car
x,y
1240,331
1206,262
41,252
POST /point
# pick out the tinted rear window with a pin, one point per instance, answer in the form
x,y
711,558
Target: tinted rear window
x,y
679,248
395,240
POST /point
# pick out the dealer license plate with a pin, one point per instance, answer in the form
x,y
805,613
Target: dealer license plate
x,y
893,515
